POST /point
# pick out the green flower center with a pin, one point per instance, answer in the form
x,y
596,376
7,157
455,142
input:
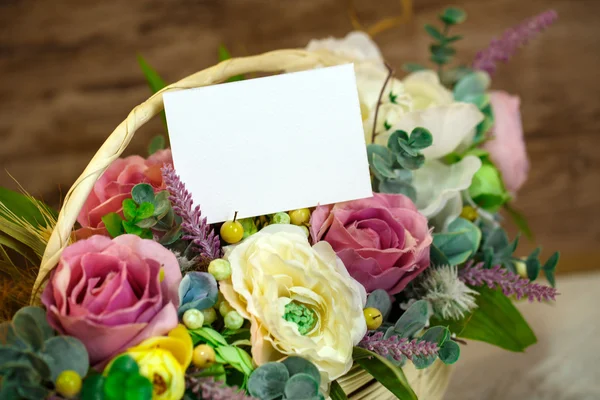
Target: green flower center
x,y
299,314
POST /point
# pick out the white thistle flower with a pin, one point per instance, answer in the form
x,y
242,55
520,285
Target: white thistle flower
x,y
449,297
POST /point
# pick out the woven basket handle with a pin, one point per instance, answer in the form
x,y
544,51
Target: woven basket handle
x,y
275,61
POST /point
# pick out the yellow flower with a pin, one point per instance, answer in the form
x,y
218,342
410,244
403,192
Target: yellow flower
x,y
164,360
300,299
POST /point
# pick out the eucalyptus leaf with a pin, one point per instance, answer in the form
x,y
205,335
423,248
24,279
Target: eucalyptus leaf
x,y
384,372
420,138
437,257
299,365
66,353
381,167
142,192
449,352
412,321
147,223
394,140
397,186
161,204
477,82
549,268
380,300
382,151
434,32
171,236
409,162
459,242
453,16
268,381
300,387
38,315
28,331
197,290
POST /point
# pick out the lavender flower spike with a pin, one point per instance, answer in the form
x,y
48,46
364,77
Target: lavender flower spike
x,y
509,282
398,348
195,227
503,48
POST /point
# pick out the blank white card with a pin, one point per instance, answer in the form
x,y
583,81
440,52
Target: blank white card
x,y
266,145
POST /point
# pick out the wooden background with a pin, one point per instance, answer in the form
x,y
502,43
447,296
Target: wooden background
x,y
68,76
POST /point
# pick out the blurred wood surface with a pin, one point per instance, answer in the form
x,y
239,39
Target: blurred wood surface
x,y
68,76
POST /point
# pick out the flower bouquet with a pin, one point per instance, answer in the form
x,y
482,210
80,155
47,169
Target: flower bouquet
x,y
135,296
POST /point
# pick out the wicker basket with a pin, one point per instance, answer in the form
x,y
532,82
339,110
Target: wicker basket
x,y
428,384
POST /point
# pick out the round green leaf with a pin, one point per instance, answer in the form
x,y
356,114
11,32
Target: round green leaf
x,y
145,210
124,363
129,209
138,387
268,381
412,321
39,316
449,352
114,385
380,300
420,138
161,204
301,386
93,388
63,353
26,328
453,16
298,365
475,83
142,193
114,224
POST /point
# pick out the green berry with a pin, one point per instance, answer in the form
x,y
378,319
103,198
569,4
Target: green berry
x,y
225,308
300,217
232,232
220,269
305,230
68,383
281,218
193,319
233,320
210,315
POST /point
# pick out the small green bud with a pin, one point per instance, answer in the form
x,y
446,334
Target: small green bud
x,y
220,269
281,218
193,319
225,308
210,315
233,320
521,268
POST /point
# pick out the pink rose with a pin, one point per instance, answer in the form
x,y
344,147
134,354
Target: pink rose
x,y
507,147
108,293
115,185
383,240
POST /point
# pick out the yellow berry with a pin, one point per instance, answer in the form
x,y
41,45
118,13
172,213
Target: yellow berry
x,y
469,213
210,315
203,356
300,217
232,232
373,317
68,383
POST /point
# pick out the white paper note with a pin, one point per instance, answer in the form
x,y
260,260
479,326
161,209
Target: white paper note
x,y
270,144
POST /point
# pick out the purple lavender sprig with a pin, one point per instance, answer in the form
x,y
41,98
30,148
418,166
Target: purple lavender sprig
x,y
503,48
509,282
398,348
209,389
193,224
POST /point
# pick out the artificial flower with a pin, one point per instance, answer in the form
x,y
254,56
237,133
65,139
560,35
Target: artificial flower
x,y
383,240
371,73
426,90
300,299
438,188
113,294
450,125
115,185
507,146
164,360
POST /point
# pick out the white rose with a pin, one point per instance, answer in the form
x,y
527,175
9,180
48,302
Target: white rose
x,y
426,91
300,299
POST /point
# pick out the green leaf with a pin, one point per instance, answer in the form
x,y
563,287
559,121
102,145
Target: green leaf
x,y
22,249
225,55
476,82
453,16
409,162
385,373
449,352
26,328
124,363
299,365
93,388
413,67
452,39
114,224
268,381
208,335
420,138
487,188
157,143
24,207
497,321
64,353
438,335
549,268
145,210
394,141
155,82
142,193
236,357
171,236
442,50
533,266
132,228
412,321
336,392
147,223
520,221
439,59
37,316
301,387
129,210
382,168
460,242
434,32
382,151
138,387
437,258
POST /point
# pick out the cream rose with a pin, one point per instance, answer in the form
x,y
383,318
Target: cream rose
x,y
426,90
300,299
